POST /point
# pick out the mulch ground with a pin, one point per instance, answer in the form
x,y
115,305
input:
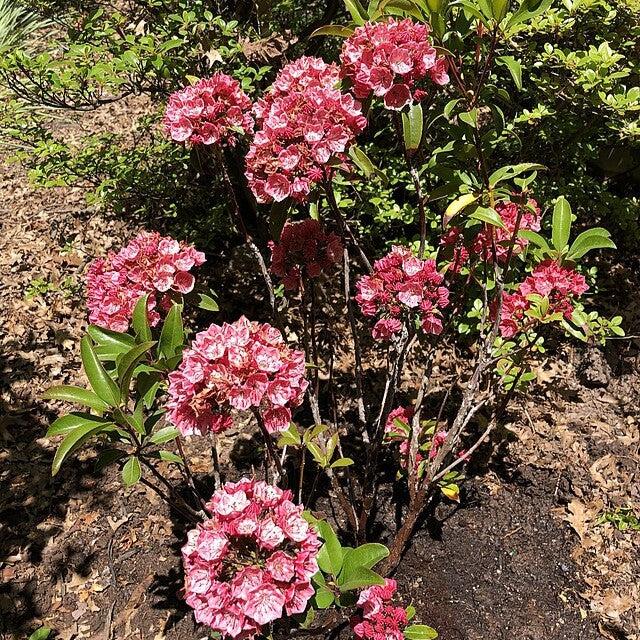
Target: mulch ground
x,y
526,554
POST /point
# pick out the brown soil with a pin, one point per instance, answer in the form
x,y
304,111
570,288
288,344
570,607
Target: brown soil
x,y
522,557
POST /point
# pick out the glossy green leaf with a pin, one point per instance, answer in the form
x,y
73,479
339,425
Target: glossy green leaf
x,y
111,341
41,634
515,69
596,238
511,171
458,205
470,118
366,555
488,215
101,382
75,439
77,395
169,456
172,334
358,13
108,457
342,462
534,238
128,363
207,303
561,224
333,30
66,424
131,472
166,434
323,598
420,632
360,579
140,320
330,556
412,124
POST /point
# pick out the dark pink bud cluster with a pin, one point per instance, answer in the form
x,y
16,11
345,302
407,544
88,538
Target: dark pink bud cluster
x,y
453,249
304,250
238,366
212,111
388,58
379,619
150,263
560,285
403,286
252,562
397,429
304,124
510,212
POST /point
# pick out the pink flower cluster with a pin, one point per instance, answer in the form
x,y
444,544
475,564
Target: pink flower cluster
x,y
304,123
304,249
402,285
454,250
213,110
549,280
509,212
151,264
388,58
394,433
252,562
379,618
236,366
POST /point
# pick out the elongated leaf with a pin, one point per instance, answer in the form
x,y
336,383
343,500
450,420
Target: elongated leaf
x,y
172,335
499,9
511,171
561,224
140,320
166,434
342,462
470,118
323,598
66,424
333,30
412,124
488,215
357,11
77,395
528,9
128,363
131,472
362,160
366,555
597,238
331,551
108,457
515,68
534,238
110,341
169,456
458,205
41,634
75,439
420,632
100,380
207,303
360,579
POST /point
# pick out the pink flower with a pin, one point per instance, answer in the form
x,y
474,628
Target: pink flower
x,y
389,58
233,580
149,264
490,236
236,366
402,287
453,248
558,284
211,111
378,618
304,250
304,123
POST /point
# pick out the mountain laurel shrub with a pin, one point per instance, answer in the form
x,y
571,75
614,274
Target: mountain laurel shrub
x,y
406,222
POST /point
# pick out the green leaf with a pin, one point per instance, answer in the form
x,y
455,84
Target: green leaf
x,y
290,437
420,632
366,555
470,118
561,224
77,395
131,472
166,434
528,9
330,556
107,457
207,303
360,578
342,462
363,162
172,335
100,380
458,205
66,424
596,238
534,238
40,634
140,320
323,598
128,363
488,215
357,11
169,456
511,171
111,341
333,30
515,68
75,439
499,9
412,124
